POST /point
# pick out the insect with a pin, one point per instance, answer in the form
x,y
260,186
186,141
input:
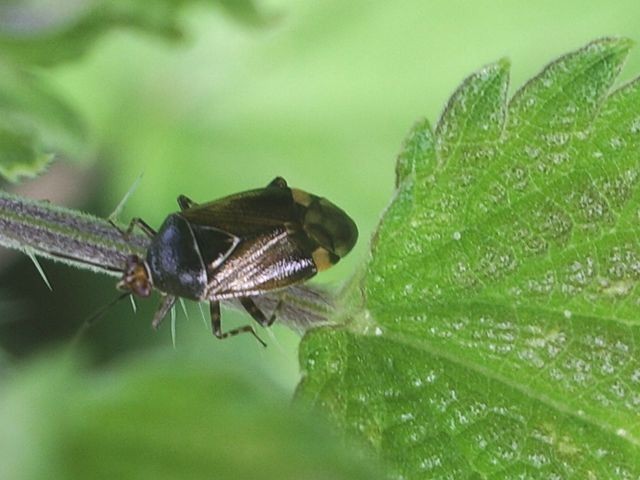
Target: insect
x,y
238,247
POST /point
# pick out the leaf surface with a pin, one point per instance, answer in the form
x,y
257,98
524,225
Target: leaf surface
x,y
498,330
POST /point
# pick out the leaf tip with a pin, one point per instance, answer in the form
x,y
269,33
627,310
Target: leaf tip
x,y
417,149
612,43
614,47
503,64
479,104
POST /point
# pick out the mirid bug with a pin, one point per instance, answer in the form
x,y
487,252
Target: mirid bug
x,y
239,247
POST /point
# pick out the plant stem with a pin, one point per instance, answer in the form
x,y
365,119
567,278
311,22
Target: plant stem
x,y
65,235
85,241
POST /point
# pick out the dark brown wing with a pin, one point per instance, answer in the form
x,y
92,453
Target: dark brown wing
x,y
248,213
267,262
214,245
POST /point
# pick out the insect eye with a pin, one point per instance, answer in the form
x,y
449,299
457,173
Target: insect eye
x,y
330,227
135,277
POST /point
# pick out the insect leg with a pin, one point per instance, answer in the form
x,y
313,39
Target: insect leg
x,y
135,222
166,303
216,325
253,310
185,202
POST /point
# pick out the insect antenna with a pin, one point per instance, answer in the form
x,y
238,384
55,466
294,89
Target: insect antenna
x,y
97,316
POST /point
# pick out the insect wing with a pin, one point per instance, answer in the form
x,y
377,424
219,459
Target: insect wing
x,y
213,244
268,262
249,213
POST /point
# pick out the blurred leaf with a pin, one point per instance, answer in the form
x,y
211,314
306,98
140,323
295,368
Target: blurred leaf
x,y
27,102
499,331
45,32
33,122
33,119
161,418
19,157
245,11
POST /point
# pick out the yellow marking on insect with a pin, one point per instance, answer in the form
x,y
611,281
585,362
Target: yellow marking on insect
x,y
321,258
301,197
137,280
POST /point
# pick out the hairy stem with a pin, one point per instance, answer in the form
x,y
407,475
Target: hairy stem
x,y
66,235
85,241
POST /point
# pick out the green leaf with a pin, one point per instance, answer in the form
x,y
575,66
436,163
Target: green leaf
x,y
34,121
19,157
45,33
499,330
161,418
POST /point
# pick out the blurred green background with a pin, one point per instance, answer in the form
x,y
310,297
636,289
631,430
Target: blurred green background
x,y
321,93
